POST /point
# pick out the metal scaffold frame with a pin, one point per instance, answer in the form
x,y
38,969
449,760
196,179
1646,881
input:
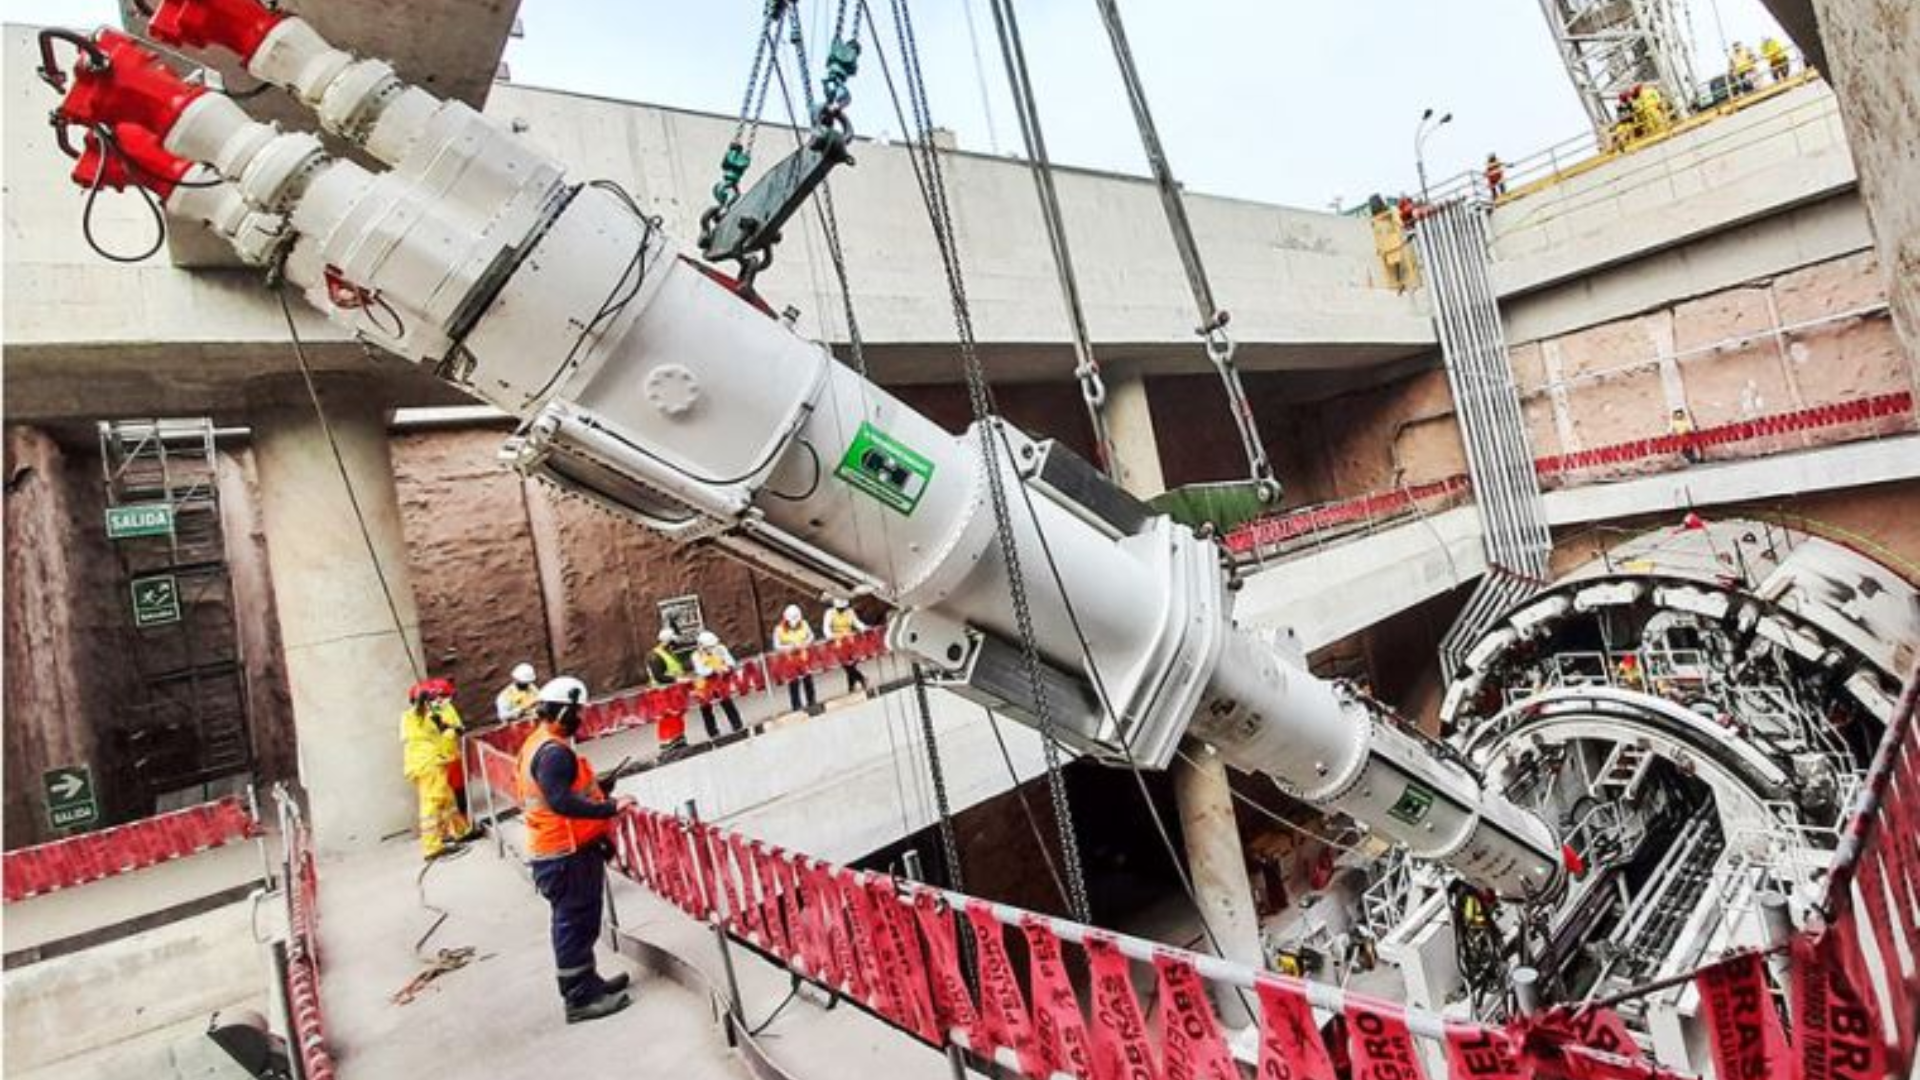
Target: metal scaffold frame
x,y
1452,241
1610,46
192,727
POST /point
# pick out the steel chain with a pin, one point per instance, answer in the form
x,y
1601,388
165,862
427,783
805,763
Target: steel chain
x,y
986,427
949,843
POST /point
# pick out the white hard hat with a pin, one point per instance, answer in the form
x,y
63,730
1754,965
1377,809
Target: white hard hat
x,y
523,673
708,639
839,603
666,635
792,614
564,690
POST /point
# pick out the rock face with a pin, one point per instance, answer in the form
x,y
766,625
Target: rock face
x,y
507,570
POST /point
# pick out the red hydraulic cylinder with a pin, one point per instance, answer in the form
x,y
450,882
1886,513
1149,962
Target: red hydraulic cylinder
x,y
239,26
139,160
134,87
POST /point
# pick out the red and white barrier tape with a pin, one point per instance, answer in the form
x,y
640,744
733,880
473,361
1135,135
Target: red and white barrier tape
x,y
1294,523
77,860
892,947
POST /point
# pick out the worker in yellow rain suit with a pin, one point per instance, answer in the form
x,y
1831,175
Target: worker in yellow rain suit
x,y
1649,111
430,741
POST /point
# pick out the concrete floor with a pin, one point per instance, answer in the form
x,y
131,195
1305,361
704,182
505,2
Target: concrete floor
x,y
500,1015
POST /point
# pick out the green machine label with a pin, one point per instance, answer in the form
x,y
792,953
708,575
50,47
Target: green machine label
x,y
139,519
71,801
886,470
156,600
1413,805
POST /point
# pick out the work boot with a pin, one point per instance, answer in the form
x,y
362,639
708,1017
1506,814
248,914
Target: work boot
x,y
617,983
605,1005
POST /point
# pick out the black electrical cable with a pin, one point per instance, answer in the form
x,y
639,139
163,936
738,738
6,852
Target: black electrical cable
x,y
754,1032
346,481
93,194
814,456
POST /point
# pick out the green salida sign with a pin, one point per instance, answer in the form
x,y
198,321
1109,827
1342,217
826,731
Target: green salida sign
x,y
71,801
139,519
885,469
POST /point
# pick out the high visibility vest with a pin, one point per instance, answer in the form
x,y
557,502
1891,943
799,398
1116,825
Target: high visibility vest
x,y
792,635
515,700
674,668
550,833
840,623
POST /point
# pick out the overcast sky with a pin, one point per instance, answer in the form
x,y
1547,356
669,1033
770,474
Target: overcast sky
x,y
1289,101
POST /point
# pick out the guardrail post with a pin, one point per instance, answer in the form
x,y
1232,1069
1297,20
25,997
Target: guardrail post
x,y
735,1015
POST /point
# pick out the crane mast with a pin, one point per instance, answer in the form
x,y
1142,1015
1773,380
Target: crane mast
x,y
643,383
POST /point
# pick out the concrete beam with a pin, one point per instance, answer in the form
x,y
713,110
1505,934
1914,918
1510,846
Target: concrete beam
x,y
1765,159
1326,595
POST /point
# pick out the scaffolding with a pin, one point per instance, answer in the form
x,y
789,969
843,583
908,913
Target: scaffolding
x,y
189,737
1611,46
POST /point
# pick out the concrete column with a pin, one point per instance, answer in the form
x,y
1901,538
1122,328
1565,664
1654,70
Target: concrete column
x,y
1215,860
1130,425
1218,864
348,664
1872,50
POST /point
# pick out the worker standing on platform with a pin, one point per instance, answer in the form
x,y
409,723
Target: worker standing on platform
x,y
1650,110
1779,64
517,701
569,823
792,635
711,664
1496,176
842,622
1740,68
430,741
665,670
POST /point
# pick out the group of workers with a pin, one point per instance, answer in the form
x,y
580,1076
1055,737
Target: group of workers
x,y
566,814
711,661
1743,65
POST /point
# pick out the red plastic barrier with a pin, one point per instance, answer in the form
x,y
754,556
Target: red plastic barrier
x,y
1296,523
76,860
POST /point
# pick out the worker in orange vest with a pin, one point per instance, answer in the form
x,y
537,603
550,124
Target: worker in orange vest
x,y
569,824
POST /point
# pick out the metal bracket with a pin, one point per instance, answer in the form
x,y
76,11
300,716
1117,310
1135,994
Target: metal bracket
x,y
751,225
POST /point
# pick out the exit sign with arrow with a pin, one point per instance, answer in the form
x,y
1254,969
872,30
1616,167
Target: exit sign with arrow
x,y
71,801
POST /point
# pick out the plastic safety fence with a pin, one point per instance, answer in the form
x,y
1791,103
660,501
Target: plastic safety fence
x,y
895,949
1296,523
302,890
644,706
94,856
1765,427
1312,519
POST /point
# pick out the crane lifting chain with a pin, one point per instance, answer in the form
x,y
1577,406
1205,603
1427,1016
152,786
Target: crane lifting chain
x,y
744,227
1213,320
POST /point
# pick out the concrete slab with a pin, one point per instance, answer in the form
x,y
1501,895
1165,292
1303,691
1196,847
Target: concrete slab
x,y
500,1015
130,1007
89,909
846,783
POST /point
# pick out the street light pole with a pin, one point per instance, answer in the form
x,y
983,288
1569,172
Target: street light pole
x,y
1420,134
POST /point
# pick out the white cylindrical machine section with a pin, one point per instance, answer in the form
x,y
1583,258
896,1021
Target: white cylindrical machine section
x,y
1266,714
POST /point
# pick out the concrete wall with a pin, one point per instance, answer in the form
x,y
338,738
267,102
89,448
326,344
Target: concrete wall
x,y
1731,355
1759,161
1873,48
70,681
506,570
